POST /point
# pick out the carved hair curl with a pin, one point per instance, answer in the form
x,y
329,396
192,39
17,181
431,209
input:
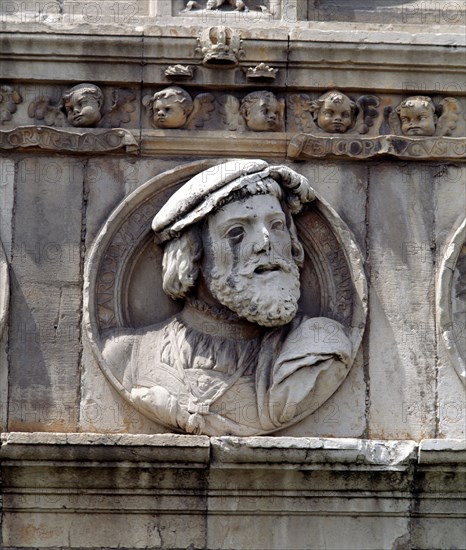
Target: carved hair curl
x,y
424,100
334,96
85,88
180,264
178,94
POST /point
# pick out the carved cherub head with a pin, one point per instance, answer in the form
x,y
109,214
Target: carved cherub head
x,y
262,112
169,108
83,104
334,112
231,241
417,116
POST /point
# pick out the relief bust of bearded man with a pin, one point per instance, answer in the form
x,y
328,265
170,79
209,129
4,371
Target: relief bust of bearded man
x,y
239,358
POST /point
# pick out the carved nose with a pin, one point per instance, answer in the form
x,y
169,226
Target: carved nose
x,y
265,239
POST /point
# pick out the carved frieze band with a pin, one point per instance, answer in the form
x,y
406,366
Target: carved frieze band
x,y
84,118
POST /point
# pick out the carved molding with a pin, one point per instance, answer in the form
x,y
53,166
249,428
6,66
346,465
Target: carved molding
x,y
76,141
217,143
450,297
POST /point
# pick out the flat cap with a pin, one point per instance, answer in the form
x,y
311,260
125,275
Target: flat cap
x,y
202,193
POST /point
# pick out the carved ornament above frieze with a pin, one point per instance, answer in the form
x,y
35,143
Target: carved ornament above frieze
x,y
261,72
179,72
220,47
83,106
254,341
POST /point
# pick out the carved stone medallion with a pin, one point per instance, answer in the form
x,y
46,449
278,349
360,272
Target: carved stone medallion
x,y
451,298
132,322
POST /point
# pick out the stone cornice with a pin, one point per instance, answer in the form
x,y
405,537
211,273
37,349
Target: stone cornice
x,y
342,56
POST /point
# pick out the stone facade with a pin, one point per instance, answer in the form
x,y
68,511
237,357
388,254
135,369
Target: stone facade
x,y
369,106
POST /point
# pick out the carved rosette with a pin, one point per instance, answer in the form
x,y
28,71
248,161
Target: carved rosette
x,y
123,274
451,298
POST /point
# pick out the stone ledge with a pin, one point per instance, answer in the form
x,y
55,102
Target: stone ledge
x,y
442,451
229,450
101,491
117,447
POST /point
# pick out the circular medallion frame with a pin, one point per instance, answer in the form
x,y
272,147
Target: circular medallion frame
x,y
123,281
451,323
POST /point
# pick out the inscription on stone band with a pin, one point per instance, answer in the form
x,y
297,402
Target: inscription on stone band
x,y
65,140
305,146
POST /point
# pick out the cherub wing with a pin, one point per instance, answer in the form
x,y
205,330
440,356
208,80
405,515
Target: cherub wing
x,y
229,108
301,108
121,109
446,123
367,112
392,120
203,105
9,98
43,111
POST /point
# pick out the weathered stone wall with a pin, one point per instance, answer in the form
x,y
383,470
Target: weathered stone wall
x,y
403,198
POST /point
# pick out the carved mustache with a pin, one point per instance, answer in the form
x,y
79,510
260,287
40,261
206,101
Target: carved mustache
x,y
260,266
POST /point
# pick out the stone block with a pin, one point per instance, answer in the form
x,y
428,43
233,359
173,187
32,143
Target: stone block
x,y
401,337
7,183
46,295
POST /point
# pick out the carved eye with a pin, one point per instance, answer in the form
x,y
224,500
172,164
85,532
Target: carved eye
x,y
235,234
278,225
328,113
346,114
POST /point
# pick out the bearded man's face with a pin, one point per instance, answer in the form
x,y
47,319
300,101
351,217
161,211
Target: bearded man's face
x,y
248,264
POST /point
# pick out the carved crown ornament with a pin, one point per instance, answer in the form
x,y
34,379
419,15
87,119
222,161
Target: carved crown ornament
x,y
89,118
220,46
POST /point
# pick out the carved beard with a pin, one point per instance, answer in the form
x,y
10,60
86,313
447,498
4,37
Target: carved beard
x,y
268,297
